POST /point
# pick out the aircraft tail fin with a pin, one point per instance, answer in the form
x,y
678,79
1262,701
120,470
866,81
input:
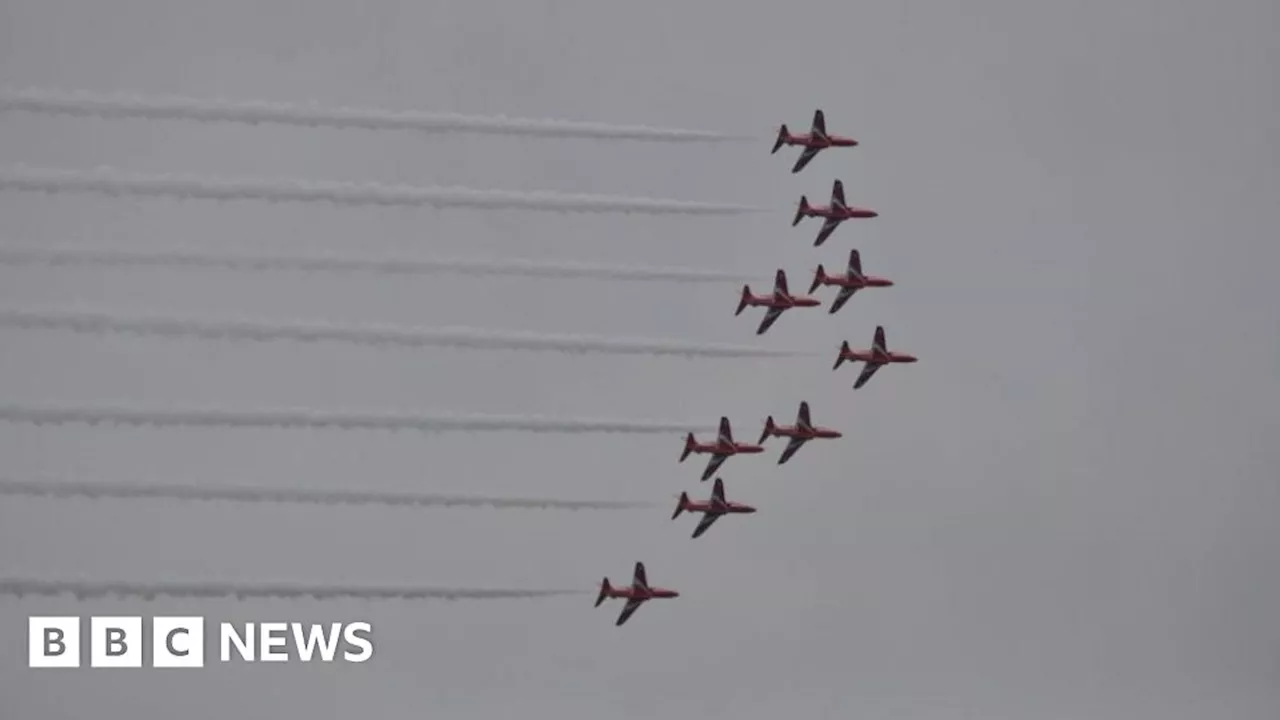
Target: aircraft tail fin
x,y
769,429
844,350
688,447
681,506
605,587
746,298
819,277
782,137
801,211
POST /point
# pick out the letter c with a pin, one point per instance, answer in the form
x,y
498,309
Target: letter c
x,y
168,642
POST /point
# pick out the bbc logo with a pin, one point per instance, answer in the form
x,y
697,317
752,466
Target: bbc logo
x,y
179,642
115,642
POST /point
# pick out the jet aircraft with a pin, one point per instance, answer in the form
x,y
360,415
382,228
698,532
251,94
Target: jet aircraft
x,y
835,213
802,432
636,595
849,283
778,301
875,358
720,450
712,509
816,140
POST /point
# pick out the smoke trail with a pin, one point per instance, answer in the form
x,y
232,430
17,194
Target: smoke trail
x,y
107,181
371,335
80,104
311,419
15,255
126,491
86,590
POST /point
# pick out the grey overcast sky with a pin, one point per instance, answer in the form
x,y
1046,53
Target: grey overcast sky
x,y
1067,509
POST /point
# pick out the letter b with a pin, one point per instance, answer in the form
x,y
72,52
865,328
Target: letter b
x,y
53,642
115,642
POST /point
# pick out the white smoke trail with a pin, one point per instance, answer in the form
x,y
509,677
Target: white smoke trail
x,y
22,256
129,491
82,104
83,590
107,181
312,419
84,322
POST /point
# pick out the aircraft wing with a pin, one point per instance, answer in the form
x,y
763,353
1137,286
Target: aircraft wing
x,y
867,371
712,466
792,447
805,156
717,492
770,317
725,434
802,416
707,520
628,610
780,283
819,126
828,227
842,297
878,343
640,578
837,194
855,263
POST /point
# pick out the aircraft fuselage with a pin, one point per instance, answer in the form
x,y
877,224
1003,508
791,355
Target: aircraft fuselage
x,y
865,281
808,140
633,593
722,449
830,213
727,509
782,301
870,356
813,434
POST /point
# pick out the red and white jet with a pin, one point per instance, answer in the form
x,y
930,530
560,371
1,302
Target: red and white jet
x,y
639,593
720,450
851,282
875,358
835,213
711,509
802,432
778,301
816,140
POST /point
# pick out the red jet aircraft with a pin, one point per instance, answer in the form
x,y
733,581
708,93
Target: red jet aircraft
x,y
874,358
835,213
817,139
639,593
777,301
851,282
800,433
722,448
712,509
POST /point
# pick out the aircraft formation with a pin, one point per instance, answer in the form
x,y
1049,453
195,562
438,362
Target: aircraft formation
x,y
776,303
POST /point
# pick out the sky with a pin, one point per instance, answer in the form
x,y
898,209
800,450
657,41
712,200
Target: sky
x,y
1064,510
